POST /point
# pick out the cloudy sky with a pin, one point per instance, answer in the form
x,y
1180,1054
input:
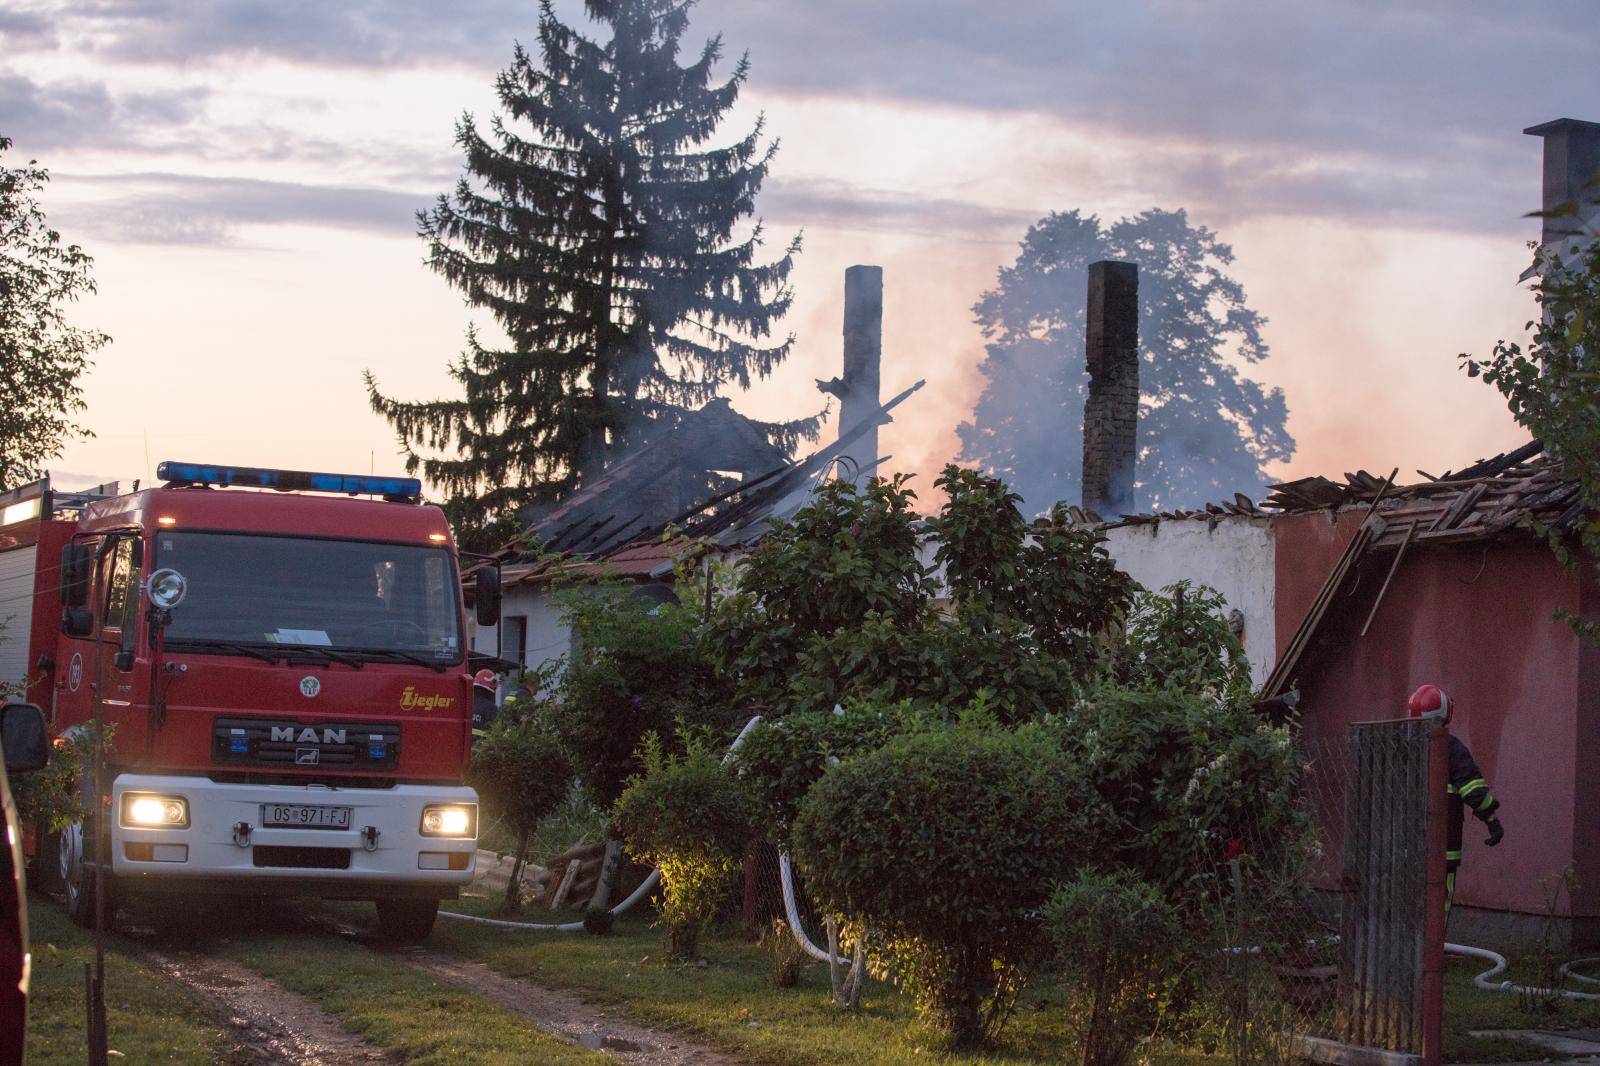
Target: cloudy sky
x,y
246,172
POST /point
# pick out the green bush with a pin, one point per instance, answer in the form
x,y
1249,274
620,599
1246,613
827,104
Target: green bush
x,y
1053,577
688,816
1075,593
1181,637
522,774
52,797
636,668
943,843
1114,936
838,605
848,555
782,758
1180,775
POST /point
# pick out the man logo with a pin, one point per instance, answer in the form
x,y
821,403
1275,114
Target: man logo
x,y
309,686
307,735
306,756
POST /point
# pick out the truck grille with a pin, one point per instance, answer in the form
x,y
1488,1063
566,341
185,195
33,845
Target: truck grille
x,y
286,744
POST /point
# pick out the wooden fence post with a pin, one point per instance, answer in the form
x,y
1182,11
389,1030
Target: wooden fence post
x,y
1433,926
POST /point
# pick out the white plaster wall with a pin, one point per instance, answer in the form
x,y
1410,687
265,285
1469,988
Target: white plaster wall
x,y
1235,558
548,637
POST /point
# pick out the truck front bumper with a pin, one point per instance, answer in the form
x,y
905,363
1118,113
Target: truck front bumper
x,y
225,846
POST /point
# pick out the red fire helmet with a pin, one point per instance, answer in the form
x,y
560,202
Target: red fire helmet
x,y
486,678
1429,701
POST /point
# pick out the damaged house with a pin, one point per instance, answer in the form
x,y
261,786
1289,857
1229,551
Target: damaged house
x,y
1352,592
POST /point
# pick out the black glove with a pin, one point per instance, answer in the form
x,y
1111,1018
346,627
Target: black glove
x,y
1497,832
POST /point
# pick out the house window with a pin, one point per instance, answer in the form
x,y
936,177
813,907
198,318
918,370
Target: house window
x,y
514,638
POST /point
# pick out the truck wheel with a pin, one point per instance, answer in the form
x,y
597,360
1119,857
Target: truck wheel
x,y
407,921
77,884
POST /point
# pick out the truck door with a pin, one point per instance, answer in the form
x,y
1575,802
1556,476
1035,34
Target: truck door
x,y
116,602
99,642
76,658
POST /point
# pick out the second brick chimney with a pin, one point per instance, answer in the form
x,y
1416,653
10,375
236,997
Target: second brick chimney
x,y
1111,409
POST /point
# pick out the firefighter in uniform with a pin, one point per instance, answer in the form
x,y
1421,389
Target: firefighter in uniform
x,y
1467,787
484,684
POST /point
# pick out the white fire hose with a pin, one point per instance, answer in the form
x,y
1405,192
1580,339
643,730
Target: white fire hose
x,y
1486,979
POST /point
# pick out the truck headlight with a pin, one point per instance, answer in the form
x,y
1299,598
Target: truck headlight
x,y
145,810
450,820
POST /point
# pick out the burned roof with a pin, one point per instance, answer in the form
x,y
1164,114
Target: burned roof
x,y
1481,500
611,541
1484,499
663,474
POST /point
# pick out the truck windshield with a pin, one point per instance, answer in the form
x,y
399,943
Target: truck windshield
x,y
398,600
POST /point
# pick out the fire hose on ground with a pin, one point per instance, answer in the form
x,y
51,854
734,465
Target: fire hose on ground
x,y
1486,979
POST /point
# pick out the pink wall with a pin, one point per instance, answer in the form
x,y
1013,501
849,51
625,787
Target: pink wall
x,y
1476,620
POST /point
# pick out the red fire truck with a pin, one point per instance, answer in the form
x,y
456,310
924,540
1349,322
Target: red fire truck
x,y
285,667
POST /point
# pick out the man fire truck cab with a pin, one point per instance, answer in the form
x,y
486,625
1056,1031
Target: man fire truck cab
x,y
282,667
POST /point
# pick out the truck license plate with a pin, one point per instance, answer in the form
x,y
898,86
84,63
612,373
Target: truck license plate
x,y
303,816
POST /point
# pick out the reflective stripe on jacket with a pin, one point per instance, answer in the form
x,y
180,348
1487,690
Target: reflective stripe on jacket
x,y
1467,789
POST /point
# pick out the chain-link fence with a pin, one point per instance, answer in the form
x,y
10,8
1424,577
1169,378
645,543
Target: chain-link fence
x,y
1322,941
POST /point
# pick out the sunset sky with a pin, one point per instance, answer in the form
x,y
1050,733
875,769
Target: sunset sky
x,y
245,175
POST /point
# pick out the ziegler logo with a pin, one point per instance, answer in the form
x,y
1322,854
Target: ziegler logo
x,y
410,701
306,735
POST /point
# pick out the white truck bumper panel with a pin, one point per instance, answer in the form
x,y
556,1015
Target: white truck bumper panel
x,y
226,838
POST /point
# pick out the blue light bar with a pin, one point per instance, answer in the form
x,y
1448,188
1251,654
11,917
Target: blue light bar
x,y
288,480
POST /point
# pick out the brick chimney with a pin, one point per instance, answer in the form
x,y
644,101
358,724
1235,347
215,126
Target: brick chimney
x,y
1111,410
857,390
1571,161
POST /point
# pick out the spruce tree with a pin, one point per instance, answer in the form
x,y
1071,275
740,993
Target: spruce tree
x,y
611,241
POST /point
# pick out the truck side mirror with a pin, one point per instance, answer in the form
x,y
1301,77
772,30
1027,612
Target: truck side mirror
x,y
488,595
25,737
77,565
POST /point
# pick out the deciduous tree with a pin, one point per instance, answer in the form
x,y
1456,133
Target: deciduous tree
x,y
1553,390
42,356
1206,430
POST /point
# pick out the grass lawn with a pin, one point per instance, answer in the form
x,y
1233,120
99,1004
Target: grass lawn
x,y
1468,1007
731,1002
150,1017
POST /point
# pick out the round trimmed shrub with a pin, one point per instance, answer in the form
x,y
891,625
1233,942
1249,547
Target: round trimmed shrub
x,y
944,844
688,816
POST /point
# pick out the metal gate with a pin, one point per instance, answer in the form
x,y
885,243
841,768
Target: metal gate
x,y
1385,886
